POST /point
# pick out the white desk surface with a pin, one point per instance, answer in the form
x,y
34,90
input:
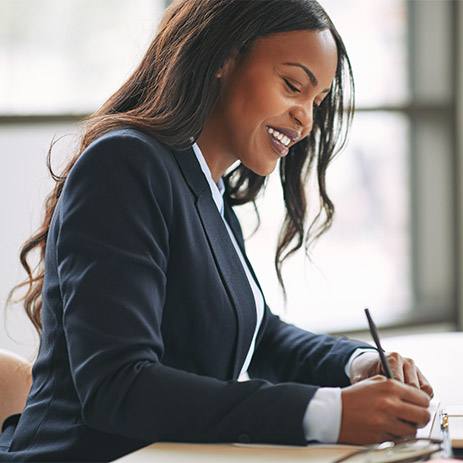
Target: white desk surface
x,y
438,355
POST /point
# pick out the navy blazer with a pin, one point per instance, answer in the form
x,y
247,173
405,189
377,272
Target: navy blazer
x,y
148,316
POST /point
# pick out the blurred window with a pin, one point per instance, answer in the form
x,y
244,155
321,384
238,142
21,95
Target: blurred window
x,y
66,57
392,246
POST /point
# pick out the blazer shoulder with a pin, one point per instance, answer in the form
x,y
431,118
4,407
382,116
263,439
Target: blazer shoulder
x,y
124,160
131,142
134,135
126,150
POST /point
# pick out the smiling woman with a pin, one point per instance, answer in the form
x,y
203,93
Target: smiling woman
x,y
148,307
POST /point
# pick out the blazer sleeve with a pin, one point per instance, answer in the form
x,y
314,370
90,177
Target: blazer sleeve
x,y
288,353
112,256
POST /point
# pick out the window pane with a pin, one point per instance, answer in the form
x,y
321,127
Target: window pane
x,y
375,34
69,56
365,258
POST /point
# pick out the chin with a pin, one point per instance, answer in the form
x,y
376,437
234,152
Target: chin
x,y
262,170
267,171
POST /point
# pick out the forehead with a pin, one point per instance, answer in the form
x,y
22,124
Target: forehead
x,y
316,50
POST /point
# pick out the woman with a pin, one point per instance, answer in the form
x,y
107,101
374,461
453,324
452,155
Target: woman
x,y
148,306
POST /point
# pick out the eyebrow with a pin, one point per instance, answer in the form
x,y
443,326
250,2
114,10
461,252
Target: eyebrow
x,y
309,73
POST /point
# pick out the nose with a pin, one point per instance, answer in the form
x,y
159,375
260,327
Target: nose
x,y
303,116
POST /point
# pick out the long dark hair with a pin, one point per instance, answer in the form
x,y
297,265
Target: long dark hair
x,y
173,91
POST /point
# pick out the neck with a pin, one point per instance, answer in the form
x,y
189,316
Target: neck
x,y
212,146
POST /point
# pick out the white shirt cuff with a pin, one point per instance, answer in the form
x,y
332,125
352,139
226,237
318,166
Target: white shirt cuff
x,y
322,418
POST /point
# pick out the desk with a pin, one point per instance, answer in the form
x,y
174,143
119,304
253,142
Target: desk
x,y
230,453
437,356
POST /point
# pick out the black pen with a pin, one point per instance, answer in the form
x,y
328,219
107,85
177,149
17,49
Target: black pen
x,y
375,335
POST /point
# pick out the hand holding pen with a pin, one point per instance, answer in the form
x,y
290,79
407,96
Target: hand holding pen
x,y
390,364
376,408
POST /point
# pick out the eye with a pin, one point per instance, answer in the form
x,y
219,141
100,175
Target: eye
x,y
291,86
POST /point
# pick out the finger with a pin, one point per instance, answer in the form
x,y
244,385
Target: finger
x,y
425,386
396,363
410,373
403,429
377,378
410,394
413,415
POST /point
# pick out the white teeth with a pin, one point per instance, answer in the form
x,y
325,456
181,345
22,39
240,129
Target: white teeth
x,y
279,136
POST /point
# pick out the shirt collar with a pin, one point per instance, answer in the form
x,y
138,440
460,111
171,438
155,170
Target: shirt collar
x,y
217,189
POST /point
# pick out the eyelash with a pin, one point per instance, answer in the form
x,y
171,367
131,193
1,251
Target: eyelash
x,y
316,107
291,86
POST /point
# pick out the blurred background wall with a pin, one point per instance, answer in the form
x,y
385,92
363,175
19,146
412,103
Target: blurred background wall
x,y
396,245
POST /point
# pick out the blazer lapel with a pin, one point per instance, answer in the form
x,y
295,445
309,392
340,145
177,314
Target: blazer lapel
x,y
225,256
236,228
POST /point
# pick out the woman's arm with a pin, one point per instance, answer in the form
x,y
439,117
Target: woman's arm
x,y
288,353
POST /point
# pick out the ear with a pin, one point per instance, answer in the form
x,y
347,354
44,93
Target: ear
x,y
228,66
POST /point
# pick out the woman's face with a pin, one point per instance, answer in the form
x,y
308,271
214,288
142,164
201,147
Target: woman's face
x,y
268,100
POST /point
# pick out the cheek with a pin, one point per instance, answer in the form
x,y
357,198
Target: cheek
x,y
254,105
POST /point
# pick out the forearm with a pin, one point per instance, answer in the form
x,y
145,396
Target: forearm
x,y
288,353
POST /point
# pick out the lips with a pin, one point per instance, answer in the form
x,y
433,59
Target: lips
x,y
280,149
281,139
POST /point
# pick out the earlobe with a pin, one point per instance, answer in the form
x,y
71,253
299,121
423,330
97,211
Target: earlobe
x,y
227,66
222,70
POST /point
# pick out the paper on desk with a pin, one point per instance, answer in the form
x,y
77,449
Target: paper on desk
x,y
432,429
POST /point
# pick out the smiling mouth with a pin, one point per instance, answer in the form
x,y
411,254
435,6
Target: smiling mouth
x,y
279,137
279,141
